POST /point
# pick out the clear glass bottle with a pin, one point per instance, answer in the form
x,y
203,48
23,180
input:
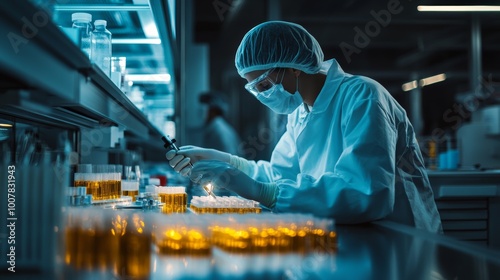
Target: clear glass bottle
x,y
82,21
101,47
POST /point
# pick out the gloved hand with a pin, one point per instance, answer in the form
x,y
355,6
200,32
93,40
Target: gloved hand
x,y
198,153
180,159
223,175
179,163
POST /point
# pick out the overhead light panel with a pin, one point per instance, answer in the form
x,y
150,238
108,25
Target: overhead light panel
x,y
102,7
5,125
150,30
149,78
423,82
131,41
409,86
432,80
470,8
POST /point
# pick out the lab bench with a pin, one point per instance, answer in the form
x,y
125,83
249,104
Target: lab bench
x,y
469,204
381,250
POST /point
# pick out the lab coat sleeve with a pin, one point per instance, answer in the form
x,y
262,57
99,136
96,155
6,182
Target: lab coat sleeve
x,y
360,187
267,172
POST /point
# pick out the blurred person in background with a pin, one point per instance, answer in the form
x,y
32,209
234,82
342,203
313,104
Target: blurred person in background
x,y
218,133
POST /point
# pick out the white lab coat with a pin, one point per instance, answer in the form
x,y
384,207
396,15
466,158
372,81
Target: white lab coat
x,y
220,135
353,158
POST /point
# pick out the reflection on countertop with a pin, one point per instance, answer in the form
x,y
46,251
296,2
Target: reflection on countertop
x,y
464,172
383,250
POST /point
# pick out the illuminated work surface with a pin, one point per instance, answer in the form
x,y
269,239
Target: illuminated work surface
x,y
373,251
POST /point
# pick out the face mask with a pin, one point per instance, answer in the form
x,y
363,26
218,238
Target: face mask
x,y
279,100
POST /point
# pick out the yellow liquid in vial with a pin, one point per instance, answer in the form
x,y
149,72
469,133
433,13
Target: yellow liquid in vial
x,y
104,189
89,185
90,248
184,242
281,239
135,241
94,189
85,249
322,241
167,201
113,189
107,250
71,245
131,194
110,189
100,190
122,246
224,210
173,203
135,255
116,188
80,183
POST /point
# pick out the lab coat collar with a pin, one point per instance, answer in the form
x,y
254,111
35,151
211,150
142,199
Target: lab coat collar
x,y
334,78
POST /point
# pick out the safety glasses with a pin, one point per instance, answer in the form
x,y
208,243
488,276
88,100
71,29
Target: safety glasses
x,y
261,83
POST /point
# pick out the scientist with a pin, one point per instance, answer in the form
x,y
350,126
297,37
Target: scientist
x,y
218,133
349,151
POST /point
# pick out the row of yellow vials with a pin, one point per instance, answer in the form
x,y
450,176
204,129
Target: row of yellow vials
x,y
223,205
101,190
124,243
115,240
225,210
175,202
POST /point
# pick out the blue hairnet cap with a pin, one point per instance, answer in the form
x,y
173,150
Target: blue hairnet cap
x,y
278,44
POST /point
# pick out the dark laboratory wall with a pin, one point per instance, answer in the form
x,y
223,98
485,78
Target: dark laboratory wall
x,y
411,43
440,107
223,29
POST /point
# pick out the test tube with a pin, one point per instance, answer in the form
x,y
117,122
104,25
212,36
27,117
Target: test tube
x,y
117,180
135,239
224,205
82,175
130,188
174,199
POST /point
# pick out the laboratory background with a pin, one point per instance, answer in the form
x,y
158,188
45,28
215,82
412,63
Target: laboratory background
x,y
94,93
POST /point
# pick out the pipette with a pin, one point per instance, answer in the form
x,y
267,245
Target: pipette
x,y
170,145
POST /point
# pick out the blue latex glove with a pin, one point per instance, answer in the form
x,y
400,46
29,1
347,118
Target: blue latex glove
x,y
223,175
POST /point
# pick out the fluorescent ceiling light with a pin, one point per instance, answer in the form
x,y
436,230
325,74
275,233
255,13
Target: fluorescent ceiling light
x,y
409,86
432,80
5,125
131,41
423,82
458,8
150,30
149,78
104,8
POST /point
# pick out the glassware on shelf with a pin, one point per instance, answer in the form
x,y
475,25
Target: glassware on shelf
x,y
101,47
82,22
118,71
